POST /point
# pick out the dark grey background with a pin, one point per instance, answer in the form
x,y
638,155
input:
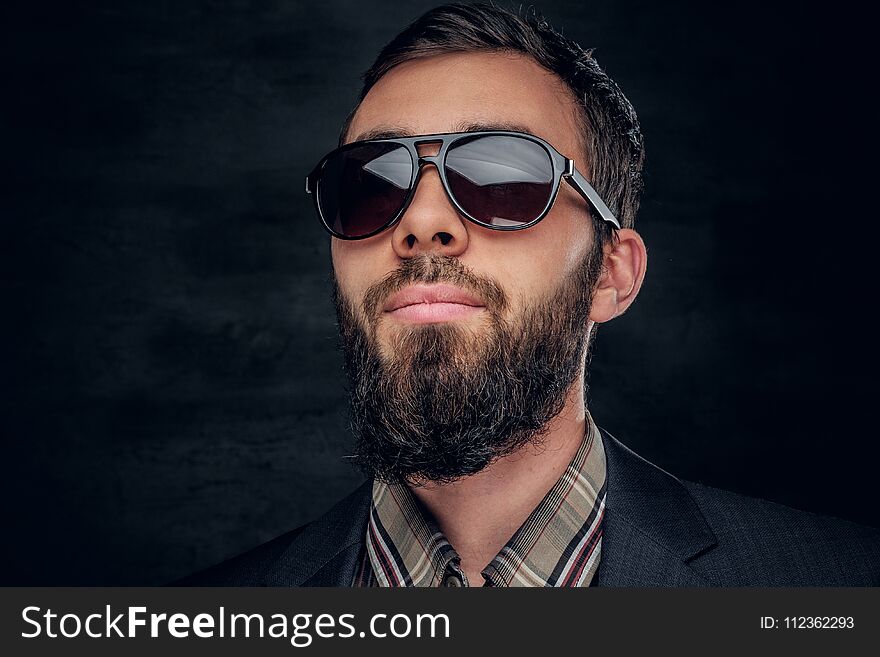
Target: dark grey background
x,y
172,393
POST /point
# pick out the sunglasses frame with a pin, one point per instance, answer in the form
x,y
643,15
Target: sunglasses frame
x,y
563,168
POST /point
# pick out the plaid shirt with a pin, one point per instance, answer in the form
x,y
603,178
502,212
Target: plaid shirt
x,y
559,544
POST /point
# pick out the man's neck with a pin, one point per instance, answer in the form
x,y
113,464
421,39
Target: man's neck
x,y
480,513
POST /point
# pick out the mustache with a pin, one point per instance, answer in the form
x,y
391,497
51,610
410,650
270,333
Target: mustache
x,y
433,268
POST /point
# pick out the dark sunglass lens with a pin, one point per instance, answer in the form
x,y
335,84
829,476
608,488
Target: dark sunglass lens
x,y
361,188
500,180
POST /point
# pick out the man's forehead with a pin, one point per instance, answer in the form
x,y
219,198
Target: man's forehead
x,y
464,92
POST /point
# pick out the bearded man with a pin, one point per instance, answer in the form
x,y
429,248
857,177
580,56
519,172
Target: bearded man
x,y
481,205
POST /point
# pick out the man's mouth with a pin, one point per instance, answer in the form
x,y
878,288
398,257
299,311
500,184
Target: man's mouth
x,y
432,303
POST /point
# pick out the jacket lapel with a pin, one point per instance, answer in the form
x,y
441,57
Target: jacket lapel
x,y
652,527
326,552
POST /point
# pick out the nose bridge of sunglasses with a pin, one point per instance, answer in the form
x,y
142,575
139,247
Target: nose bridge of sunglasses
x,y
429,152
428,148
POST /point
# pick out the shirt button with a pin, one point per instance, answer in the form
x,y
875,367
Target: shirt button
x,y
452,581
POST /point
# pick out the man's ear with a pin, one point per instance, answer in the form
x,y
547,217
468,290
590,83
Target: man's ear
x,y
623,270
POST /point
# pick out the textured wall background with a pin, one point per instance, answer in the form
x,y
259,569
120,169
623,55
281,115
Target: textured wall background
x,y
172,394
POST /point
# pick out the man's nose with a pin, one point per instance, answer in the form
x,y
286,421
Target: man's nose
x,y
431,222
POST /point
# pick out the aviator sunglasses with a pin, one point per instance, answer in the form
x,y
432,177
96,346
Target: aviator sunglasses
x,y
497,179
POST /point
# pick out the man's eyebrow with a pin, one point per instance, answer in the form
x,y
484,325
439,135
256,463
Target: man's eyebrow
x,y
395,132
488,126
383,132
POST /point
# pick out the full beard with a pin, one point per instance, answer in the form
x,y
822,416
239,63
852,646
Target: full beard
x,y
452,399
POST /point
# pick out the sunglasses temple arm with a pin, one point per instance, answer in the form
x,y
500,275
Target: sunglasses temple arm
x,y
576,180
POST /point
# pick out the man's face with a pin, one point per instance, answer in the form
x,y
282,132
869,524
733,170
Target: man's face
x,y
440,399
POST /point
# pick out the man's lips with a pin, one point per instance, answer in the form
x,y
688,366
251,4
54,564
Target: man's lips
x,y
430,294
432,303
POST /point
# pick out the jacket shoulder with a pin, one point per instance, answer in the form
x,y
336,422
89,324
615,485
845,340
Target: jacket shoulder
x,y
763,543
296,556
246,569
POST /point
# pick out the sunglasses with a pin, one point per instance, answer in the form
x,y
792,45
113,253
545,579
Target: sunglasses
x,y
496,179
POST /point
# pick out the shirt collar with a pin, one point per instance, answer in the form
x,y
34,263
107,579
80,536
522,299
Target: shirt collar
x,y
559,544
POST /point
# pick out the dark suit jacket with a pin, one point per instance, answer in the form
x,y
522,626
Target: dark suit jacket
x,y
658,531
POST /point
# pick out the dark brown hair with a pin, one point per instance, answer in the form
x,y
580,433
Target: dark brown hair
x,y
610,129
